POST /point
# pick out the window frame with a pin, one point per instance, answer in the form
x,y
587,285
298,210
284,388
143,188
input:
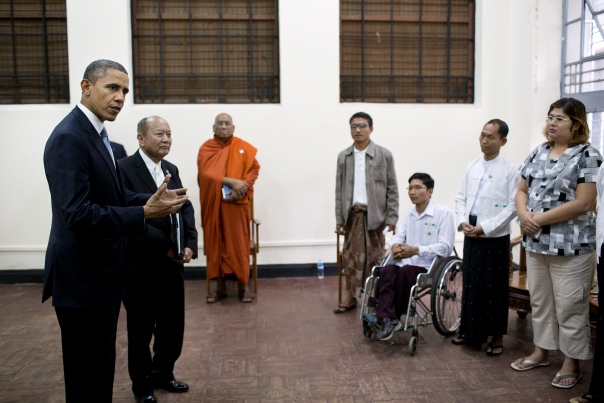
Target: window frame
x,y
251,96
593,100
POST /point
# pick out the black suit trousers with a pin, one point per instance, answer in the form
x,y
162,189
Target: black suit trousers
x,y
157,309
88,341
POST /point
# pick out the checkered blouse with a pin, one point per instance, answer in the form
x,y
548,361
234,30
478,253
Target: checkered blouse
x,y
552,182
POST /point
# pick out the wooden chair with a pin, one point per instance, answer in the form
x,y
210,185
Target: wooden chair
x,y
254,248
519,296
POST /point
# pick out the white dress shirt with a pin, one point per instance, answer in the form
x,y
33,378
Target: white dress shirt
x,y
359,195
155,169
159,177
433,232
495,185
96,122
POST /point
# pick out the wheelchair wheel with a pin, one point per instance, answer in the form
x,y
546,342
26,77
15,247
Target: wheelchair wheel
x,y
369,332
446,297
412,345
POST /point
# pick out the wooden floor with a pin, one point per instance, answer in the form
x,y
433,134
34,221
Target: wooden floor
x,y
287,346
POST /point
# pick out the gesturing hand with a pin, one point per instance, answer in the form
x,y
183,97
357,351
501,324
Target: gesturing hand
x,y
165,201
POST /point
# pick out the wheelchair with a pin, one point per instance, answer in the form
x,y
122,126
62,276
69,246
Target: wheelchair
x,y
443,282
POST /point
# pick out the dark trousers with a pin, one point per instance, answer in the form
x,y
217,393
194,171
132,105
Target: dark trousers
x,y
596,389
88,341
158,309
395,290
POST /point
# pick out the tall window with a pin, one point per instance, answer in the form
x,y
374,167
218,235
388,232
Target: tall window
x,y
214,51
583,61
410,51
33,47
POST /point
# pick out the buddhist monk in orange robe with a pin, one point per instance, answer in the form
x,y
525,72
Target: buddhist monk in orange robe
x,y
226,160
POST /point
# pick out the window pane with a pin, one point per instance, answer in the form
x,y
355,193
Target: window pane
x,y
33,44
215,51
574,9
407,51
573,42
597,5
596,126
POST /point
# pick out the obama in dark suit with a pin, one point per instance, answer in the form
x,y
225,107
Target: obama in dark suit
x,y
155,298
92,216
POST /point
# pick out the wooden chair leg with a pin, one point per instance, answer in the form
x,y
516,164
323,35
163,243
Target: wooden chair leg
x,y
208,279
255,273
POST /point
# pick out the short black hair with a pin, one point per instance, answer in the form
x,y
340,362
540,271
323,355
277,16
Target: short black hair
x,y
503,127
98,69
364,116
425,178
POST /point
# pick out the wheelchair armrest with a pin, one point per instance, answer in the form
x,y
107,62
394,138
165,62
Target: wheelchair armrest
x,y
424,280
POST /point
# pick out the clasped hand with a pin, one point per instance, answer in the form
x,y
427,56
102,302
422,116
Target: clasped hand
x,y
403,251
471,231
528,225
238,188
165,201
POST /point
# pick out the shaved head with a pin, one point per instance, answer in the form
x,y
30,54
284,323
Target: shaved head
x,y
223,127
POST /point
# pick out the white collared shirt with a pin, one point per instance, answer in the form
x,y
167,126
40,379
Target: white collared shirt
x,y
486,166
497,184
432,231
359,195
96,122
152,166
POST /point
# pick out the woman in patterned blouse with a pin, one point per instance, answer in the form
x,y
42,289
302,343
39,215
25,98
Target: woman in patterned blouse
x,y
555,205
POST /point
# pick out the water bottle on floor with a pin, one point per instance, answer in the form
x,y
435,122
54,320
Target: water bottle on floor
x,y
320,269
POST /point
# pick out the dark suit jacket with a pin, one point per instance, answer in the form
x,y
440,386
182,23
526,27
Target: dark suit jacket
x,y
86,258
148,254
119,151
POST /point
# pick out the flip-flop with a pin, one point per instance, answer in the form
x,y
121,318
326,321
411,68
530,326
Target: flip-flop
x,y
244,298
460,341
342,309
492,347
531,364
214,298
560,377
583,398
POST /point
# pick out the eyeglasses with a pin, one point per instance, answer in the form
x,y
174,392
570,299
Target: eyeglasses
x,y
558,119
416,188
361,126
221,123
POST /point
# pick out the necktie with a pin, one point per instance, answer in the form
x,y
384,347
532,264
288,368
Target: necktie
x,y
158,176
105,139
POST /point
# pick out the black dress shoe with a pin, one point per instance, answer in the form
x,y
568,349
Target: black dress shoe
x,y
173,386
145,399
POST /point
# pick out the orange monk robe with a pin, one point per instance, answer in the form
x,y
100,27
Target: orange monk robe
x,y
226,224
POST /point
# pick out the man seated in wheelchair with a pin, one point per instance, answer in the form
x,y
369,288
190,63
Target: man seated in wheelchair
x,y
427,231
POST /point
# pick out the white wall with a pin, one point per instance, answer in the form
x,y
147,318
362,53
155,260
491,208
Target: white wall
x,y
517,77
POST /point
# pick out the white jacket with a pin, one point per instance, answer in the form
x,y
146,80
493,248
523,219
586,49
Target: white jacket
x,y
497,206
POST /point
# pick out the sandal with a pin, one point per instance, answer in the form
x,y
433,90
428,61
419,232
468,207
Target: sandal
x,y
530,364
559,377
460,341
584,398
244,298
342,309
492,347
217,296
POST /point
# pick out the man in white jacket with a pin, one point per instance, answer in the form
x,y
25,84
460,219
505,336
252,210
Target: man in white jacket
x,y
484,207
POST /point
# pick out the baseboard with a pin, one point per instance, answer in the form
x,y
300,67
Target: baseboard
x,y
191,272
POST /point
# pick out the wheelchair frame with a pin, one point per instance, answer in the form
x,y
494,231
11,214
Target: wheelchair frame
x,y
443,282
